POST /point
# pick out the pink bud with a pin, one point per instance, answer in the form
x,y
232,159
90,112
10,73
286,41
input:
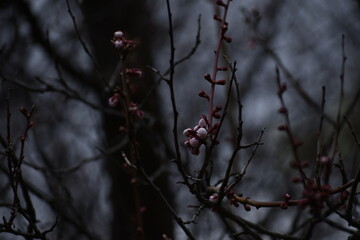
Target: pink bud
x,y
216,115
297,143
222,68
213,197
134,72
217,18
118,44
247,207
118,34
220,3
220,82
202,123
114,100
296,180
139,114
202,133
287,197
324,159
218,108
224,28
142,209
203,94
187,132
123,129
227,39
194,142
284,205
23,111
283,88
208,77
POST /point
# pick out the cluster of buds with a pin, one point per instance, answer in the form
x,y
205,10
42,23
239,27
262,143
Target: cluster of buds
x,y
133,107
232,199
121,43
134,73
284,204
197,136
225,24
315,196
217,82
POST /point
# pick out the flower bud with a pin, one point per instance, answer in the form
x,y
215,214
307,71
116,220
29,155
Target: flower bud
x,y
114,100
213,197
118,44
323,160
220,82
217,18
296,180
31,124
283,88
227,39
134,72
203,94
202,123
118,34
123,129
208,77
221,3
201,133
195,143
23,111
216,115
287,197
187,132
284,205
218,108
222,68
247,207
139,114
297,143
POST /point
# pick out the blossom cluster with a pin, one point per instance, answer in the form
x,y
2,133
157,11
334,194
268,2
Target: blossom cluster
x,y
121,43
123,93
196,136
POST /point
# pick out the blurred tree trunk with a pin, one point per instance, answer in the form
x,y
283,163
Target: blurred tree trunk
x,y
102,18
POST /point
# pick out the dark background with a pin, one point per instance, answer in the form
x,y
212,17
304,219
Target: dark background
x,y
44,63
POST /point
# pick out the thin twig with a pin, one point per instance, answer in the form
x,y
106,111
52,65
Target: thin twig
x,y
173,100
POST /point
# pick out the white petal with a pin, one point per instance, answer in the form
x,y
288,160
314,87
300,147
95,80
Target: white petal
x,y
186,132
194,142
202,123
202,133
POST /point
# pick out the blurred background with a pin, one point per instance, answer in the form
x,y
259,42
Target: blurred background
x,y
58,56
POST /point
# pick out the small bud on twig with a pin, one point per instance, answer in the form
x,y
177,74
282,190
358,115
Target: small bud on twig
x,y
217,18
220,82
227,39
203,94
208,77
221,3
